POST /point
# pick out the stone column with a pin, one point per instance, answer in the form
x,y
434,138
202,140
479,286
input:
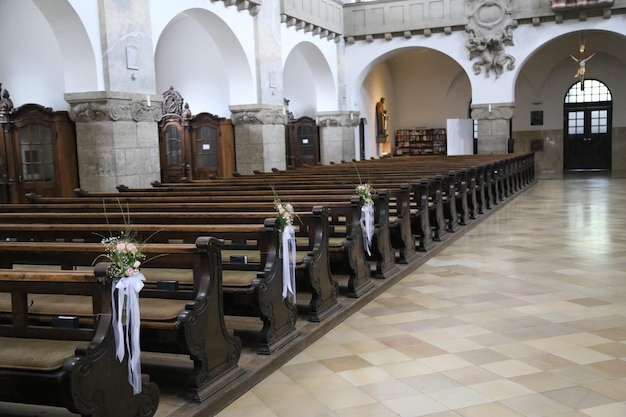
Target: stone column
x,y
259,137
117,139
337,136
493,126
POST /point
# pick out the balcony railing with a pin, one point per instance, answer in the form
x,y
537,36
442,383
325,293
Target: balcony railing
x,y
320,17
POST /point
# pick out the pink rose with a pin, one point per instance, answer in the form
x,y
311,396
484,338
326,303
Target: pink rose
x,y
129,272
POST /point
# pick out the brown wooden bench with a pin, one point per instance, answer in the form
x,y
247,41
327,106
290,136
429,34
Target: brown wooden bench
x,y
252,289
65,366
184,318
312,268
347,255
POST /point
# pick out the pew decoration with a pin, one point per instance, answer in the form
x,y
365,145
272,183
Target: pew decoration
x,y
367,214
284,218
126,256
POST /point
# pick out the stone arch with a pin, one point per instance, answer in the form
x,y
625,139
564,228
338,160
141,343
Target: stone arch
x,y
210,81
308,81
418,83
51,52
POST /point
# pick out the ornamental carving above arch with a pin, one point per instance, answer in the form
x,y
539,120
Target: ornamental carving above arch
x,y
490,29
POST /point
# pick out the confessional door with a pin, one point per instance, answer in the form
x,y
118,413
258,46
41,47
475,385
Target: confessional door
x,y
303,148
174,164
4,174
204,147
587,138
37,154
197,148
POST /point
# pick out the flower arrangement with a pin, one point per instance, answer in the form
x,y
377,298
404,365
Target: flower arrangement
x,y
124,254
123,251
367,212
365,193
285,216
285,212
364,190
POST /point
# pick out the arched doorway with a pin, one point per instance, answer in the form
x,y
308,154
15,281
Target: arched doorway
x,y
587,131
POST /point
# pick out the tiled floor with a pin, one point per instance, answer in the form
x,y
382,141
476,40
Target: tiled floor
x,y
524,315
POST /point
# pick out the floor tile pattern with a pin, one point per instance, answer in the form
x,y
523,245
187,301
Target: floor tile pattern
x,y
524,315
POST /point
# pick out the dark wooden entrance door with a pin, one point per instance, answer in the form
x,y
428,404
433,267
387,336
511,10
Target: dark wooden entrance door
x,y
303,148
587,138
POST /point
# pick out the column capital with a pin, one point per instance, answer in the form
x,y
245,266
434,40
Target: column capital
x,y
258,114
338,119
112,106
493,111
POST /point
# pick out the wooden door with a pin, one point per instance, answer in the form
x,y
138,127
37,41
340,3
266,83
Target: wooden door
x,y
302,143
35,150
587,138
212,146
205,152
4,173
174,166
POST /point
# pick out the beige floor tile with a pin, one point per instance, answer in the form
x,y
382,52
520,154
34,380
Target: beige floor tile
x,y
492,409
343,398
578,397
406,369
500,389
368,410
607,410
510,368
535,404
345,363
389,390
445,362
364,376
415,406
471,375
459,397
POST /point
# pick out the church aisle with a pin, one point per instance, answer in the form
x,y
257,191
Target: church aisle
x,y
524,315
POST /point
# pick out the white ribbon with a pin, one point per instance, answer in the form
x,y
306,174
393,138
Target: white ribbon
x,y
289,262
367,225
128,289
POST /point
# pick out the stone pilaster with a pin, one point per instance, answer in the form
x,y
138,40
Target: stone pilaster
x,y
117,139
493,126
337,135
260,137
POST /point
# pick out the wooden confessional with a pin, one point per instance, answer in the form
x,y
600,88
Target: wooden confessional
x,y
193,147
37,152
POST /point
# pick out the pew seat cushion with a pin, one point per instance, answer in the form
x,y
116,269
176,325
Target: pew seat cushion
x,y
26,354
49,305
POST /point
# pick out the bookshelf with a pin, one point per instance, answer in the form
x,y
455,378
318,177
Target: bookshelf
x,y
421,141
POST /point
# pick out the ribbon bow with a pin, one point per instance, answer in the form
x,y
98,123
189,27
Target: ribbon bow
x,y
367,225
289,262
128,289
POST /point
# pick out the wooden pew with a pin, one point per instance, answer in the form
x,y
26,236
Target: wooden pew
x,y
251,289
187,319
69,367
382,251
347,255
312,268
